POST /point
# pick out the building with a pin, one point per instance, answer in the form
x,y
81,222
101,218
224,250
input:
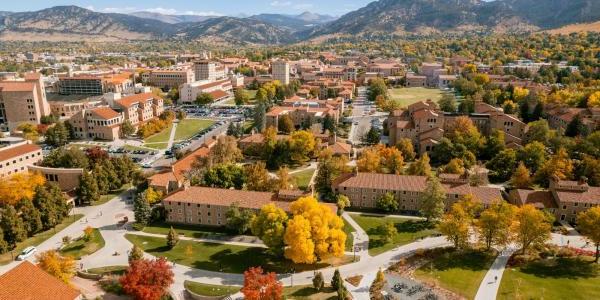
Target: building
x,y
281,71
66,109
363,190
66,179
102,123
15,158
413,80
81,85
208,70
564,198
424,124
208,206
169,79
444,81
300,115
219,90
137,108
27,281
119,83
22,101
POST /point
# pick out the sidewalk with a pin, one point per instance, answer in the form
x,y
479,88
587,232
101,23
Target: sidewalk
x,y
491,282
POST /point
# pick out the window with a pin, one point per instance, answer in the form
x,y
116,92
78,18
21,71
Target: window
x,y
564,207
576,204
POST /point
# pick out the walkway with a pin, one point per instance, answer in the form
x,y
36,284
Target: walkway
x,y
491,282
361,238
172,136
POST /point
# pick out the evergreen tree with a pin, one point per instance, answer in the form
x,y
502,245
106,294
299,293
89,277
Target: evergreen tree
x,y
141,210
88,191
3,243
57,135
13,227
432,199
260,111
576,128
328,124
31,217
136,253
318,281
336,280
538,112
172,238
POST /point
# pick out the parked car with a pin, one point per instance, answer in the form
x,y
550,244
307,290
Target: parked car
x,y
27,252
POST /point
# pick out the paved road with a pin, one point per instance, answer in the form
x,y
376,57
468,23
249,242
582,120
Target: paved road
x,y
361,119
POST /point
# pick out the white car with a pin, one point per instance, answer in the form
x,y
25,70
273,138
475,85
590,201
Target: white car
x,y
146,165
27,252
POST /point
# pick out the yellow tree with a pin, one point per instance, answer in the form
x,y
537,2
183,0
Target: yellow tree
x,y
594,100
61,267
19,186
455,226
521,178
406,147
153,196
559,166
420,167
391,160
520,93
302,145
369,161
494,224
531,227
284,180
315,227
589,225
269,226
455,166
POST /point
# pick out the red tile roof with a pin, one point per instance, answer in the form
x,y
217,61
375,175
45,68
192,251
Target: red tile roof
x,y
106,113
218,94
12,152
28,282
17,86
185,164
137,98
223,197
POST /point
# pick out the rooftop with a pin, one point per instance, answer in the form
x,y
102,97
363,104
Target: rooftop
x,y
11,152
28,282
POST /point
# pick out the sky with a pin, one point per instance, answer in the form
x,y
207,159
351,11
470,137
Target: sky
x,y
197,7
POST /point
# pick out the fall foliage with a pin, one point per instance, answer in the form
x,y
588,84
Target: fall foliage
x,y
19,186
147,279
61,267
260,286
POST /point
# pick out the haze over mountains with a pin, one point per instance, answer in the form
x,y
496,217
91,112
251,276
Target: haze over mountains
x,y
384,17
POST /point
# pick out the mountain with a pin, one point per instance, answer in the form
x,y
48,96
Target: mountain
x,y
171,19
299,22
428,16
5,13
314,18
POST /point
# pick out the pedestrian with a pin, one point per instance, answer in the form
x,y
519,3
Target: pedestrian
x,y
495,278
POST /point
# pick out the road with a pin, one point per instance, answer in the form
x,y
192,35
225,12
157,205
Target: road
x,y
361,117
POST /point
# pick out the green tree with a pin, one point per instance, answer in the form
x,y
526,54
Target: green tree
x,y
57,135
260,117
241,96
502,165
204,99
238,219
576,128
447,103
589,222
141,209
285,124
533,155
387,202
88,191
387,231
127,129
225,176
432,199
538,131
336,280
420,167
172,238
136,253
3,243
50,201
13,227
31,217
376,88
494,144
329,124
318,281
372,137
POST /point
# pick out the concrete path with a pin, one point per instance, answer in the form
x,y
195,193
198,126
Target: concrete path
x,y
491,282
172,136
361,238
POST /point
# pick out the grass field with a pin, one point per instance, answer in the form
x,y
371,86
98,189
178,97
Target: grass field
x,y
348,229
79,247
161,137
157,146
108,270
38,238
189,127
222,257
408,231
307,292
460,272
408,96
209,289
303,178
190,231
560,278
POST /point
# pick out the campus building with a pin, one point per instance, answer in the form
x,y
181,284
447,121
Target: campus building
x,y
138,108
22,101
170,78
208,70
27,281
102,123
15,158
219,90
81,85
281,71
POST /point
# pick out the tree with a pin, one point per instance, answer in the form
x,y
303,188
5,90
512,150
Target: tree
x,y
576,128
172,238
88,231
336,280
376,88
136,253
204,99
369,161
127,128
509,107
29,131
372,137
589,222
432,199
329,168
495,223
391,160
13,227
318,281
447,103
141,210
329,124
387,202
88,191
225,176
61,267
180,115
285,124
521,178
3,244
533,155
238,219
342,202
50,201
57,135
558,166
494,144
147,279
18,187
269,226
538,131
241,96
406,147
502,165
377,285
532,227
260,116
420,167
32,219
259,286
302,145
257,177
284,180
387,231
314,232
465,132
455,226
455,166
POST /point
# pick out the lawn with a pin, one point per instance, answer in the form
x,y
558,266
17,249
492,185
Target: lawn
x,y
409,230
157,146
111,194
408,96
459,272
560,278
191,231
108,270
189,127
222,257
303,178
134,148
348,229
38,238
309,293
210,290
161,137
80,247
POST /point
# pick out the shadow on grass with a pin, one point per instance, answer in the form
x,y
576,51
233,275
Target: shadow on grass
x,y
414,226
468,260
309,291
572,268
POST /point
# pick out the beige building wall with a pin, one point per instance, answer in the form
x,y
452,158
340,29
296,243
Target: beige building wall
x,y
67,179
15,159
197,214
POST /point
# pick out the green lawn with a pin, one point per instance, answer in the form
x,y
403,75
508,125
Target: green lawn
x,y
134,148
409,230
222,257
252,94
307,292
108,270
157,146
79,247
210,290
408,96
303,178
460,272
105,198
189,127
348,229
560,278
191,231
161,137
38,238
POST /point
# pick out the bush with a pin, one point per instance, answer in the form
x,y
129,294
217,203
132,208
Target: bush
x,y
138,226
112,285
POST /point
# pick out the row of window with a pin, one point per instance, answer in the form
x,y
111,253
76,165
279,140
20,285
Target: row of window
x,y
21,159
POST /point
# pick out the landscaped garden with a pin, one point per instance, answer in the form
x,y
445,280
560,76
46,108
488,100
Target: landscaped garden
x,y
223,257
348,229
189,127
210,290
553,278
161,137
409,230
191,231
408,96
108,270
303,178
38,239
460,272
84,245
307,292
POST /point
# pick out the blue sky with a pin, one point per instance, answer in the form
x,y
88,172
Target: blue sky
x,y
201,7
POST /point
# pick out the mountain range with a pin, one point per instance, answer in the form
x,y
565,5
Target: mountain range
x,y
383,17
